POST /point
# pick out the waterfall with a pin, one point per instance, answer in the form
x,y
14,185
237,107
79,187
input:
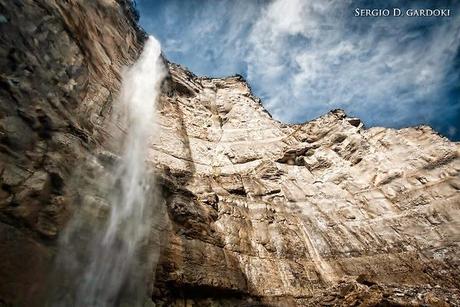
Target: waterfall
x,y
102,256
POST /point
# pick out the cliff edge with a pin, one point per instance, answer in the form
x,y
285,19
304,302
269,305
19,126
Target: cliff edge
x,y
254,212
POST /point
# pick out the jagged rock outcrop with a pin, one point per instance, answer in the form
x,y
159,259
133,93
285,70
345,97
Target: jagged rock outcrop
x,y
60,72
274,211
255,211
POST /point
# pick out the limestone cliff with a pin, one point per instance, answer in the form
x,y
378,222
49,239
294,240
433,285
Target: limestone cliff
x,y
255,212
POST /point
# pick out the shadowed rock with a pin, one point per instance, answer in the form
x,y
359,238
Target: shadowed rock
x,y
256,212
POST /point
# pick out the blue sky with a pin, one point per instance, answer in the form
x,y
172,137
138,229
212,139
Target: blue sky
x,y
304,58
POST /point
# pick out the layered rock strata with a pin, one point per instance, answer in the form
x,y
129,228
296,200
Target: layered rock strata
x,y
274,211
61,64
255,212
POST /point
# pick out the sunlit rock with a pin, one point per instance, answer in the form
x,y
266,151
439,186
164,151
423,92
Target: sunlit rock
x,y
250,210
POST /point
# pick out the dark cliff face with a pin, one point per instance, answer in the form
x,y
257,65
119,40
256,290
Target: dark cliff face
x,y
60,72
254,211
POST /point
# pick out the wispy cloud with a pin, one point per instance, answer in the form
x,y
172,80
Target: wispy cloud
x,y
307,57
314,56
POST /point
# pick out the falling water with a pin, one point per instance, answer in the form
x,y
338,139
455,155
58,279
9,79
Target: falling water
x,y
105,263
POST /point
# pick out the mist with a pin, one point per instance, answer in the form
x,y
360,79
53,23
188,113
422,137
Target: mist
x,y
107,243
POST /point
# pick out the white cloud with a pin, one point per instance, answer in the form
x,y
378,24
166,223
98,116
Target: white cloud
x,y
309,59
306,57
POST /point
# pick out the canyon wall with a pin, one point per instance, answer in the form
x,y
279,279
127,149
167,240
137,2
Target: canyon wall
x,y
61,64
253,211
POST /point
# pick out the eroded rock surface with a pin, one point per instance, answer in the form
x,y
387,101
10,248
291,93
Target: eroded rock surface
x,y
278,211
60,72
256,212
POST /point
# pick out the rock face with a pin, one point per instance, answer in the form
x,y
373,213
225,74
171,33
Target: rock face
x,y
60,71
255,212
276,211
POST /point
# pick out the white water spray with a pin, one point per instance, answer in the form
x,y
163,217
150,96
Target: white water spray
x,y
114,247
